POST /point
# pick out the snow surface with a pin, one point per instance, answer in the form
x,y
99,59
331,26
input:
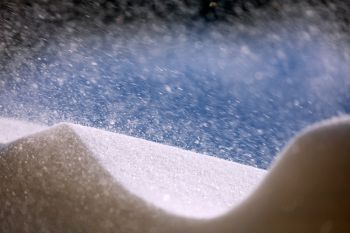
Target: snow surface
x,y
175,180
71,178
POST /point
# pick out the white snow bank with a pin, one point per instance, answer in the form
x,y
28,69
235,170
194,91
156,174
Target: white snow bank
x,y
70,178
178,181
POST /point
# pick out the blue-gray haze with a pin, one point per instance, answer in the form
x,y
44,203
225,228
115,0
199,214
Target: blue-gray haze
x,y
236,91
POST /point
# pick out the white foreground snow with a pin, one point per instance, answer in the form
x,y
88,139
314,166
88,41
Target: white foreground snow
x,y
70,178
178,181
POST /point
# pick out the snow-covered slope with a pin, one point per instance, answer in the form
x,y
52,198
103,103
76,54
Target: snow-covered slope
x,y
80,163
70,178
178,181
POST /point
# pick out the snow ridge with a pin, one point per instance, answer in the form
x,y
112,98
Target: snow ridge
x,y
70,178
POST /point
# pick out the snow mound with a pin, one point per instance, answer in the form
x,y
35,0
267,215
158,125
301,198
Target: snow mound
x,y
70,178
178,181
74,172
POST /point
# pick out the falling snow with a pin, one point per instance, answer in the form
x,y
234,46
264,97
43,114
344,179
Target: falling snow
x,y
237,88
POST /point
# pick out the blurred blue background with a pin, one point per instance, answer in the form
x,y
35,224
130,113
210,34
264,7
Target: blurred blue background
x,y
235,92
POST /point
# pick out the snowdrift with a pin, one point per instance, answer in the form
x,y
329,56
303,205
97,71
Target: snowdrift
x,y
71,178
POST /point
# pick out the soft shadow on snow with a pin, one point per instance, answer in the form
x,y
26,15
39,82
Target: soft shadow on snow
x,y
71,178
177,181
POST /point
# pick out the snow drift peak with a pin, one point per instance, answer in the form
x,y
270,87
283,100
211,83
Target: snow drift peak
x,y
50,182
71,178
75,174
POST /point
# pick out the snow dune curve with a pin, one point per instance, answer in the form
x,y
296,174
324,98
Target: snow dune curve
x,y
50,164
71,178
